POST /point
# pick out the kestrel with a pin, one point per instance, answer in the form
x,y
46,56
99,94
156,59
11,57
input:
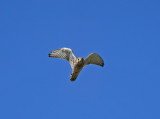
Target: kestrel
x,y
77,64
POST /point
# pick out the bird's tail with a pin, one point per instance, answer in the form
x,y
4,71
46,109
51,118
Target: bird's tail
x,y
74,76
72,79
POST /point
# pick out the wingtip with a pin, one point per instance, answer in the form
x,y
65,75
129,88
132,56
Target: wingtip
x,y
102,65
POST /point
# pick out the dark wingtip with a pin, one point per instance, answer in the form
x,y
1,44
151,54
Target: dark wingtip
x,y
49,55
102,64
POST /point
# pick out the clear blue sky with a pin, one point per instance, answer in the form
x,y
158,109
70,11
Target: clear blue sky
x,y
126,33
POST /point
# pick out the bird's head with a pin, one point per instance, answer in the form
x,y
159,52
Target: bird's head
x,y
80,60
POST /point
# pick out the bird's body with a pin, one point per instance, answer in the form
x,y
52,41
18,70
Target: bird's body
x,y
79,63
78,66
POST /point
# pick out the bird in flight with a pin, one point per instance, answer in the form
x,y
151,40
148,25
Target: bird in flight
x,y
77,64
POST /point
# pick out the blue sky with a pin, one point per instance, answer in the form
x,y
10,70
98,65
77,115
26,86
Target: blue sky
x,y
125,33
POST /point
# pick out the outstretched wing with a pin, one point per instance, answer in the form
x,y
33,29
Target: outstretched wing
x,y
63,53
93,58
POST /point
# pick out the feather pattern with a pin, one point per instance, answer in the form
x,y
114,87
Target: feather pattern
x,y
64,53
93,58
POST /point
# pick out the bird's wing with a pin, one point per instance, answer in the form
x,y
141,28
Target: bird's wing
x,y
63,53
93,58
